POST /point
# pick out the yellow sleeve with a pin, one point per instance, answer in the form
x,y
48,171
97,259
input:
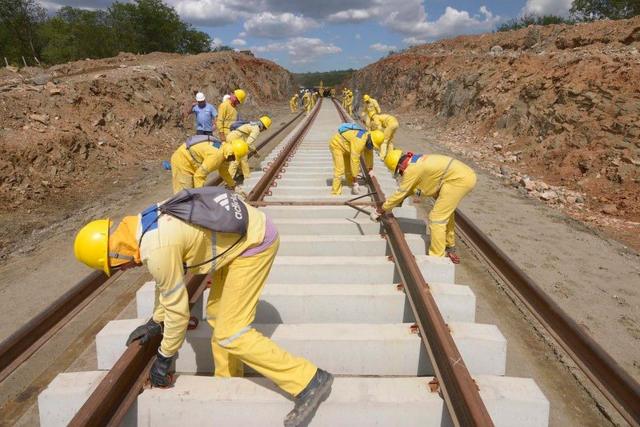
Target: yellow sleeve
x,y
210,163
368,159
409,182
165,265
220,118
225,173
255,131
356,150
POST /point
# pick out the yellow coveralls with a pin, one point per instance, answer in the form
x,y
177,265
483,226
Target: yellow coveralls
x,y
447,180
249,133
388,124
344,99
372,107
190,167
237,283
293,103
350,103
227,114
346,149
307,102
314,98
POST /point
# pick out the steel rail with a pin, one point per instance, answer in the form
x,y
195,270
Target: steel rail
x,y
23,343
461,395
117,392
606,374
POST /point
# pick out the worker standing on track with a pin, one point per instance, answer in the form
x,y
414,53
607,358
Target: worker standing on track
x,y
227,113
349,103
445,179
388,124
240,262
293,103
205,115
371,106
314,97
346,146
307,102
194,160
248,133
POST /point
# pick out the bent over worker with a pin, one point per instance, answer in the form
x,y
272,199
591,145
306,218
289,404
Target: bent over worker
x,y
445,179
227,113
169,246
346,146
371,106
248,133
389,125
194,160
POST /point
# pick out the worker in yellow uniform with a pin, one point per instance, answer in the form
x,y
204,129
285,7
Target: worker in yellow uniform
x,y
343,101
194,160
227,113
169,246
371,106
389,125
314,97
248,133
307,102
293,103
446,179
349,102
346,146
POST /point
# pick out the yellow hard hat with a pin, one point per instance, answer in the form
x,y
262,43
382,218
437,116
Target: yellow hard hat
x,y
366,97
391,160
91,246
377,136
240,95
266,121
240,148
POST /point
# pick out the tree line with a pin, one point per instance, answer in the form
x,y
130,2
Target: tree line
x,y
26,30
581,11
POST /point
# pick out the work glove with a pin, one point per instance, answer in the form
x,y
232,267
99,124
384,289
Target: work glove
x,y
239,190
160,374
375,215
371,174
145,332
355,189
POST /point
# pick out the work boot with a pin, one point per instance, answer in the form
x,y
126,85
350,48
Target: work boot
x,y
307,402
452,254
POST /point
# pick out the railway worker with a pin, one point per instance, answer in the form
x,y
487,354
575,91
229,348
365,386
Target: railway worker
x,y
445,179
343,101
167,246
307,102
346,146
388,124
371,106
200,155
293,103
228,114
314,97
349,103
205,115
248,133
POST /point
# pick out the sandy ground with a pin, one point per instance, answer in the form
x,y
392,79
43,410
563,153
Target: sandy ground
x,y
594,278
32,280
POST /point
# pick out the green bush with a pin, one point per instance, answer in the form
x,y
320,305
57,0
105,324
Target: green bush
x,y
525,21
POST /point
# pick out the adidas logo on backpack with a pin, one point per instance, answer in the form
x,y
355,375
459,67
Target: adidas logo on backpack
x,y
223,200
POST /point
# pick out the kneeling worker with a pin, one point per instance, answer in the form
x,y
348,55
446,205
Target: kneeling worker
x,y
346,147
194,160
248,133
445,179
240,245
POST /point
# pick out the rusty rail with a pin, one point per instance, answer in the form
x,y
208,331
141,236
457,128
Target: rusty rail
x,y
460,392
118,391
613,382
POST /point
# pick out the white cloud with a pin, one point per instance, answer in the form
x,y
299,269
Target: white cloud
x,y
358,36
301,50
267,24
353,15
412,41
547,7
216,42
380,47
207,12
238,42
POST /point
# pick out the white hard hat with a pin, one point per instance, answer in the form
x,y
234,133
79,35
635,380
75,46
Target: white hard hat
x,y
200,97
224,98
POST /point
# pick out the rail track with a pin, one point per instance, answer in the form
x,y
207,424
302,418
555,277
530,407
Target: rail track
x,y
339,279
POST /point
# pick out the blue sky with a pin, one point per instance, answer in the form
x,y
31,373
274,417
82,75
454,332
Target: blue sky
x,y
322,35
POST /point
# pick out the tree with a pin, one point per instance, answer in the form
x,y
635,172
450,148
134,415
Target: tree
x,y
19,21
526,20
599,9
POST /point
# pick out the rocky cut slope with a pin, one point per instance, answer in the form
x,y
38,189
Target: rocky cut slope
x,y
75,131
561,103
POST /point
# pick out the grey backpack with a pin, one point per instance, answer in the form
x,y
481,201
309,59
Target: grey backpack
x,y
214,208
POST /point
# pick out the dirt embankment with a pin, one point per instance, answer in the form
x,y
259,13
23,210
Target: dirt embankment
x,y
73,132
556,105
